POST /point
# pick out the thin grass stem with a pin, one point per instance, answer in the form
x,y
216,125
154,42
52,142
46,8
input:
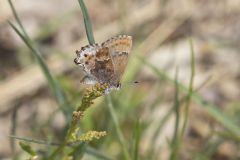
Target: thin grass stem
x,y
14,127
87,22
17,18
117,127
175,139
137,135
53,84
190,90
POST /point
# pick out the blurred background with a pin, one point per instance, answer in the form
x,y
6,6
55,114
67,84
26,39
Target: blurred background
x,y
160,31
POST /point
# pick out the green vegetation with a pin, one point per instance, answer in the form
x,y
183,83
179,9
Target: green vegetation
x,y
117,116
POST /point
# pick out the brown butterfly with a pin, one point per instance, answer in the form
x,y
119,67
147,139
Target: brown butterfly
x,y
105,63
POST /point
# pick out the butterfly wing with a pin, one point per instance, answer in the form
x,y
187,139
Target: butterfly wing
x,y
86,57
119,48
96,62
105,63
103,70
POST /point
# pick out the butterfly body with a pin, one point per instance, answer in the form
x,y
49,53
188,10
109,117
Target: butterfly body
x,y
105,63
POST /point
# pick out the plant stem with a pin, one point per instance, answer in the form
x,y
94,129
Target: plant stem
x,y
53,84
175,139
87,22
117,127
190,90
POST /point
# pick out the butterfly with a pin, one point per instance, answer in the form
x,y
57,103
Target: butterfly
x,y
105,63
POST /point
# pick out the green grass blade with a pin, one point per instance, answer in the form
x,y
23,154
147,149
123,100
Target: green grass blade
x,y
136,138
117,127
162,122
17,18
190,90
87,22
55,87
212,109
13,128
53,84
175,139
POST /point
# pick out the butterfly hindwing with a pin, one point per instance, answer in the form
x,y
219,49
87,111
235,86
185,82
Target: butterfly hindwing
x,y
103,69
86,57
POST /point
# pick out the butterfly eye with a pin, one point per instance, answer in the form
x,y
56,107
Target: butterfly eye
x,y
77,51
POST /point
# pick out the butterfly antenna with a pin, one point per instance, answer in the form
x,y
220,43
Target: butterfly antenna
x,y
129,83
